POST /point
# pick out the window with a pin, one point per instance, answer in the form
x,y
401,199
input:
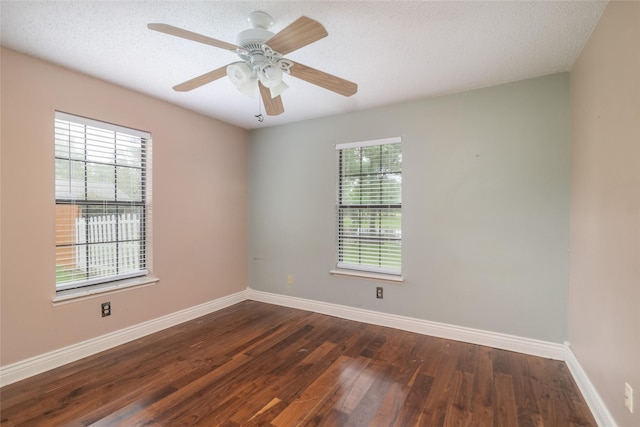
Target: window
x,y
101,195
369,206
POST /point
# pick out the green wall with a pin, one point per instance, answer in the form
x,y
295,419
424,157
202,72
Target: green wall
x,y
485,208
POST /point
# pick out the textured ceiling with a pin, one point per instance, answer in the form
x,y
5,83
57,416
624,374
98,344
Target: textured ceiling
x,y
395,51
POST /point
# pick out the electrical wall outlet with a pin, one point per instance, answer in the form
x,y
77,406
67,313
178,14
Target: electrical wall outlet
x,y
379,292
106,309
628,397
290,279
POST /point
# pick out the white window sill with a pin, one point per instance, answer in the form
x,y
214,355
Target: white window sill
x,y
368,275
74,295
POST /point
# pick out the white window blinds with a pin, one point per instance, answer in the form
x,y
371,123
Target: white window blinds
x,y
101,194
369,205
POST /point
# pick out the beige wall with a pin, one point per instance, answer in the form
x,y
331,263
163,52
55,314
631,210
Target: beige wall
x,y
604,301
199,207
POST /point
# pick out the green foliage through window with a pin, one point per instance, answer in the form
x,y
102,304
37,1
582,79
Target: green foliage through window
x,y
369,204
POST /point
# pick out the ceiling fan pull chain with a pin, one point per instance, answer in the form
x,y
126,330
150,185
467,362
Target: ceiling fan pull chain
x,y
259,116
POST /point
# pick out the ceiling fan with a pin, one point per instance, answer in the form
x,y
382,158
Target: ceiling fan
x,y
262,63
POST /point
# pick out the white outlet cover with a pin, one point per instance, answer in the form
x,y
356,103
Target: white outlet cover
x,y
628,397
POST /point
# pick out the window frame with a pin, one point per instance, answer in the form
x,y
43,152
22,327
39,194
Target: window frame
x,y
91,285
363,269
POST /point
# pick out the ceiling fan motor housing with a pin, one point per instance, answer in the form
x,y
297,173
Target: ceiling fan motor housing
x,y
264,61
253,38
253,50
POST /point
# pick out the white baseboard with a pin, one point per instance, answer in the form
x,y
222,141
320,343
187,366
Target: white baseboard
x,y
53,359
44,362
596,405
474,336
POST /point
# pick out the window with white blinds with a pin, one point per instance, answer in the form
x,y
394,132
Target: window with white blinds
x,y
369,206
101,195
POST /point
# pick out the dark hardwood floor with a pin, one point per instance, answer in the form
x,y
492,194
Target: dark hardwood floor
x,y
265,365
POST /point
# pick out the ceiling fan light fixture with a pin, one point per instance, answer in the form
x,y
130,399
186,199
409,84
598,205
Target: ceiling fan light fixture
x,y
241,76
279,89
270,75
250,89
239,73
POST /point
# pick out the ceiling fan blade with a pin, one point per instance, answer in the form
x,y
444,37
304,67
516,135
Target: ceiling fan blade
x,y
273,106
299,33
201,80
179,32
322,79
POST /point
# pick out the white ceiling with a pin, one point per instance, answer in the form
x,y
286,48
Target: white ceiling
x,y
394,50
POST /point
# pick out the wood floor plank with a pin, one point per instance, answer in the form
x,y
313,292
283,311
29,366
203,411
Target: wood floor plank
x,y
343,371
330,419
243,382
506,413
256,364
115,414
524,394
371,401
419,389
188,390
435,408
342,400
458,411
483,395
350,393
275,386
